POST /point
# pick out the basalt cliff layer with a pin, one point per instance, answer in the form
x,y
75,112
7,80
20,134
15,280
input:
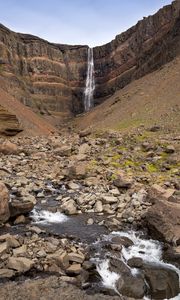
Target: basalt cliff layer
x,y
50,78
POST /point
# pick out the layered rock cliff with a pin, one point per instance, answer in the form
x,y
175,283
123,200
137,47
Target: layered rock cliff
x,y
50,78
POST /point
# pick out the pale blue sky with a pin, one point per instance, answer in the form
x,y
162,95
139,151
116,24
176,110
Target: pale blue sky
x,y
92,22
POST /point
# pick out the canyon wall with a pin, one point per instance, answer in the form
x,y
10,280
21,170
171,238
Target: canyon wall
x,y
50,78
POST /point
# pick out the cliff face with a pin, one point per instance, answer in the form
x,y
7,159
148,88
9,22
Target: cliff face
x,y
50,78
140,50
47,77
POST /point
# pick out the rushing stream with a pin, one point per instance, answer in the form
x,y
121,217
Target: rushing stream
x,y
150,251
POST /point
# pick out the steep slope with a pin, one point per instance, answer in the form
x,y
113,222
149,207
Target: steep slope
x,y
15,116
50,78
153,99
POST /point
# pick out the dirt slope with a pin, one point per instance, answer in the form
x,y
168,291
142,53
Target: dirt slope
x,y
153,99
31,123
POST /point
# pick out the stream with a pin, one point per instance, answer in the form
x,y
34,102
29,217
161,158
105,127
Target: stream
x,y
148,251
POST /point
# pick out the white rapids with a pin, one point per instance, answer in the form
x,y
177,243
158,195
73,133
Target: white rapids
x,y
45,216
90,82
148,250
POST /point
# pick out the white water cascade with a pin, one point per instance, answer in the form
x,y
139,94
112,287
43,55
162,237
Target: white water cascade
x,y
90,82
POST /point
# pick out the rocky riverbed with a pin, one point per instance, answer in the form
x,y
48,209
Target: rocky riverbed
x,y
63,196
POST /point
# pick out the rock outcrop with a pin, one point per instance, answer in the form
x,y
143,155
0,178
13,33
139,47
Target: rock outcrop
x,y
50,78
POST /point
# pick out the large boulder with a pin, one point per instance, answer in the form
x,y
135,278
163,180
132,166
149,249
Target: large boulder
x,y
163,221
4,203
131,286
163,282
18,207
20,264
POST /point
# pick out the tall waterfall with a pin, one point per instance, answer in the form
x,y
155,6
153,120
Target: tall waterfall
x,y
90,82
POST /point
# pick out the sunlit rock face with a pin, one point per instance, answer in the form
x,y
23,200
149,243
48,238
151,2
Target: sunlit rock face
x,y
51,78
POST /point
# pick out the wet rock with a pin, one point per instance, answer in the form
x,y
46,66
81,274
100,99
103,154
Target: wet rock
x,y
130,286
122,240
172,255
118,266
163,283
20,264
4,203
18,207
69,207
135,262
8,148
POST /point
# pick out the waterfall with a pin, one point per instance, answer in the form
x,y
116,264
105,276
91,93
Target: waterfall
x,y
90,82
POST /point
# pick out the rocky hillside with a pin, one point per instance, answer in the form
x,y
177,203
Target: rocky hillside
x,y
50,78
152,100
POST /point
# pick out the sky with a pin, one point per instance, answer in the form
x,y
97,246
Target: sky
x,y
80,22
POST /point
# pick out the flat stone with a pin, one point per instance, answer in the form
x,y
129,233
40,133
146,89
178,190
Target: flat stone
x,y
109,199
20,264
75,257
6,273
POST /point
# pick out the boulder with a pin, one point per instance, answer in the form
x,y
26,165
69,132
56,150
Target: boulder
x,y
130,286
162,220
156,192
69,207
8,148
77,171
20,264
98,207
122,240
18,207
4,203
60,258
75,257
135,262
163,282
63,151
122,181
74,269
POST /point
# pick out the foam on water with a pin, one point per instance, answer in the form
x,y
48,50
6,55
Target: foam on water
x,y
149,250
44,216
109,278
